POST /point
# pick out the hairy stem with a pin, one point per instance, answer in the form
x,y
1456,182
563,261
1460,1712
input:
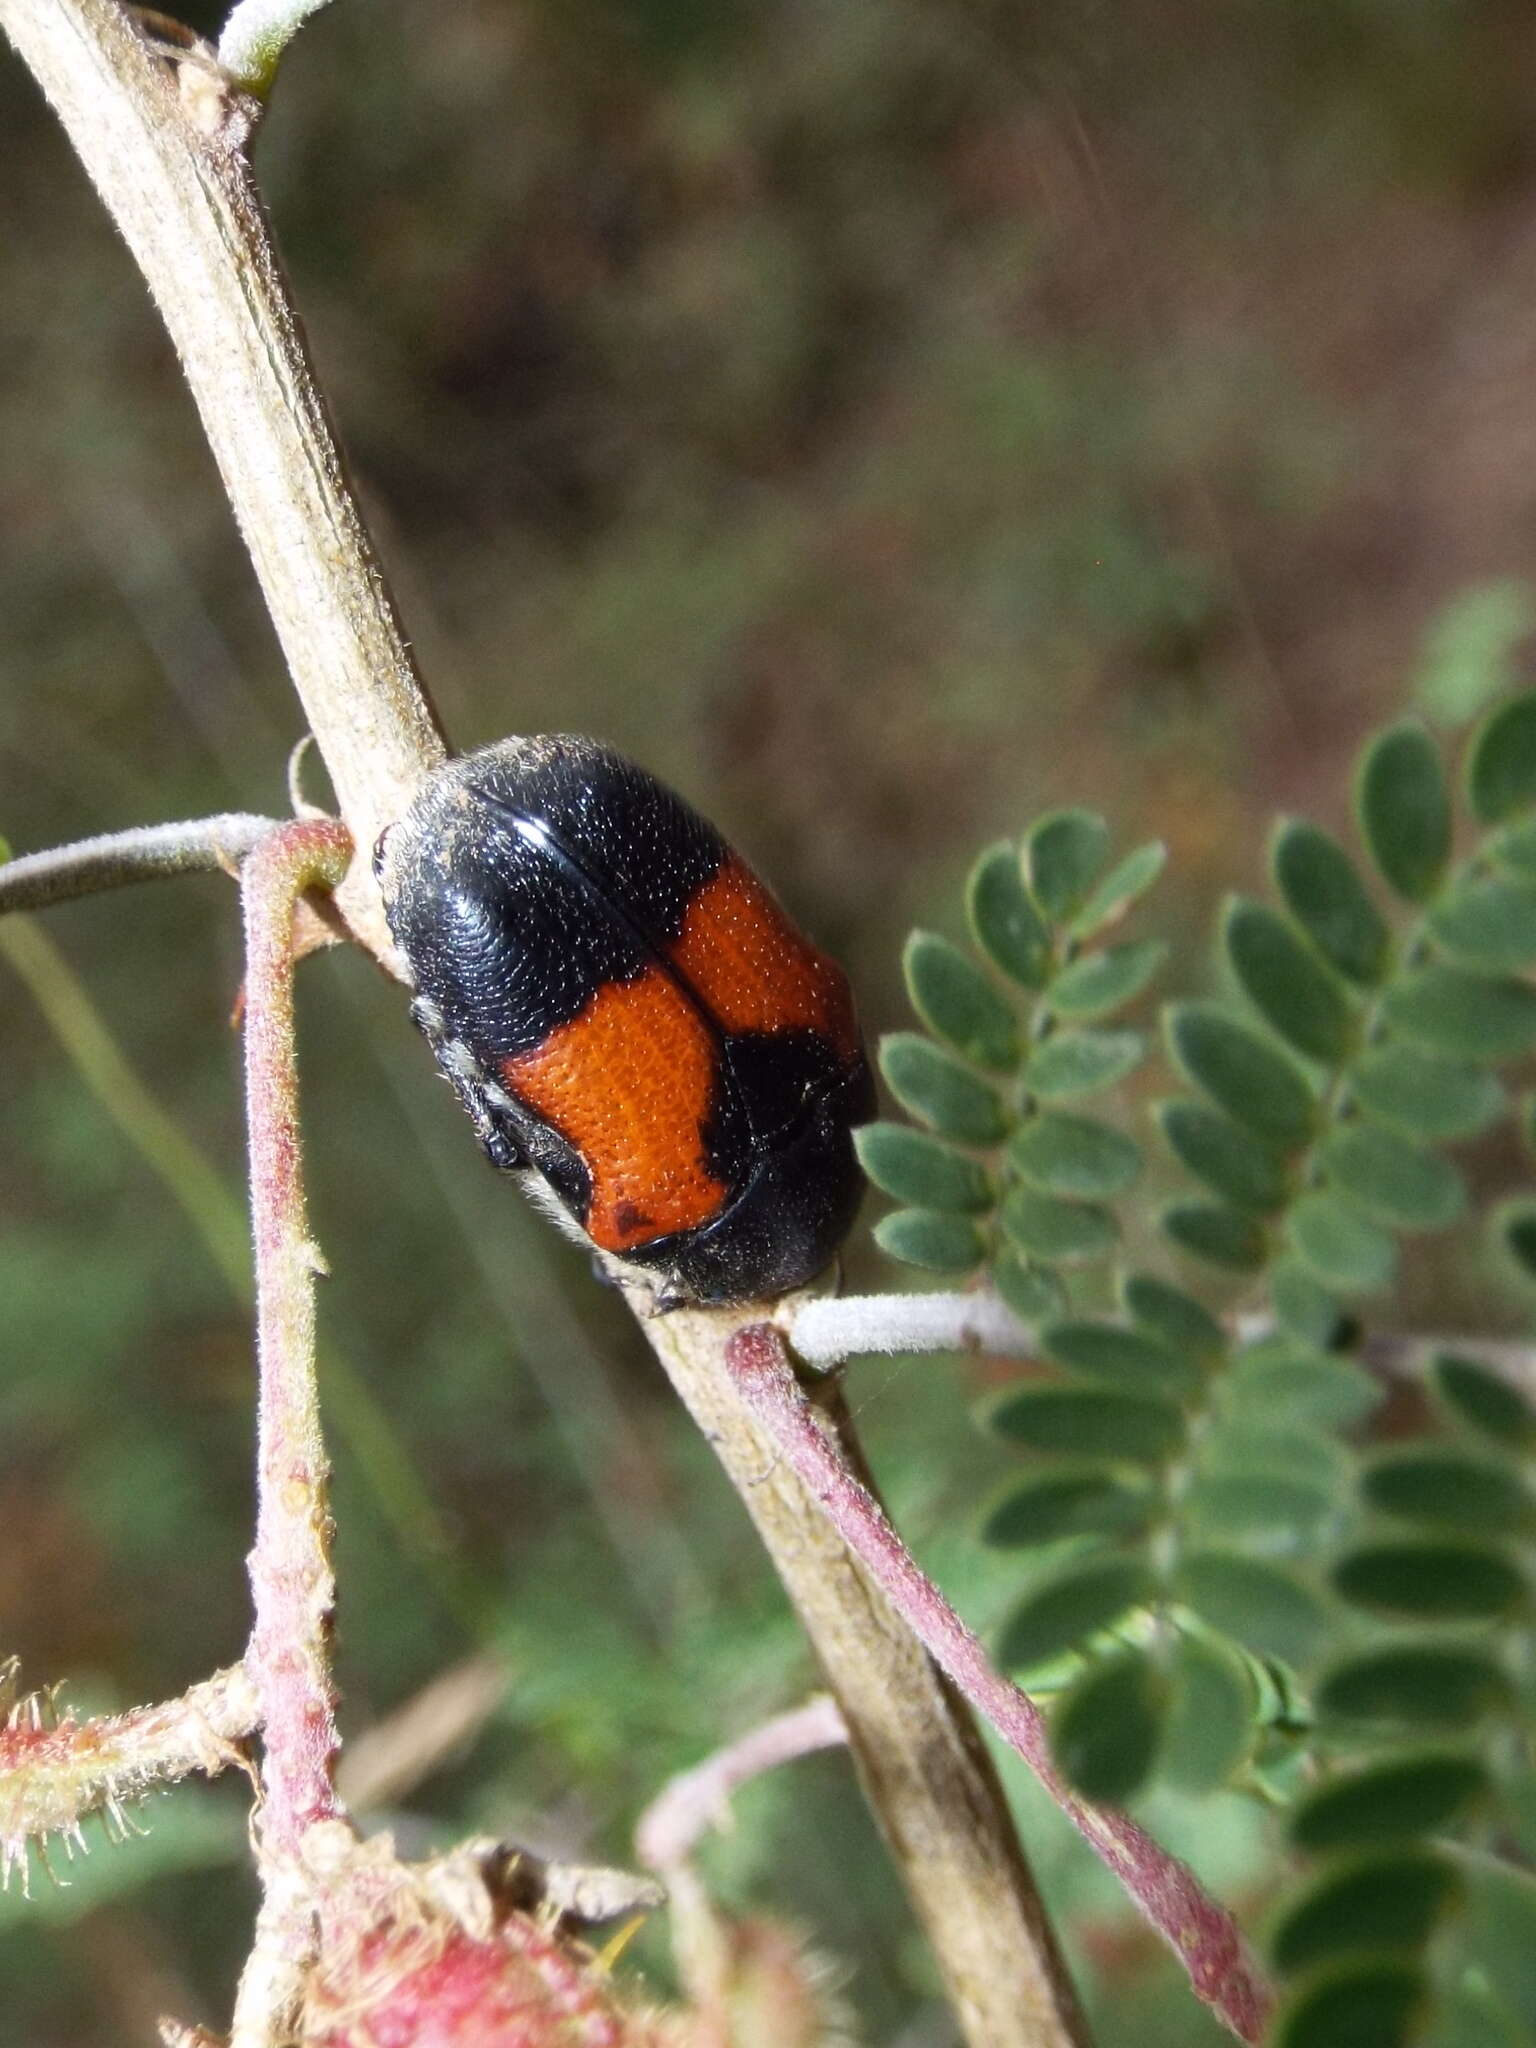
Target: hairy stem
x,y
115,860
255,36
56,1771
291,1581
826,1329
1201,1933
289,1655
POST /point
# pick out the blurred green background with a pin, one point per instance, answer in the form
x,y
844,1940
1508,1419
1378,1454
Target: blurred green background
x,y
884,419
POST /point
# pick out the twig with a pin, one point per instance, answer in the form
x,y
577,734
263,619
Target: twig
x,y
1202,1934
56,1771
669,1829
925,1772
826,1329
291,1582
290,1563
114,860
255,36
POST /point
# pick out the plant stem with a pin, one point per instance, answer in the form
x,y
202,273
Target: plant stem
x,y
289,1656
255,36
829,1328
1201,1933
114,860
293,1589
924,1768
56,1772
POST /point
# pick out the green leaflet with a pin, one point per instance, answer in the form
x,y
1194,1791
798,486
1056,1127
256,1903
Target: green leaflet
x,y
1074,1156
1098,983
1106,1729
1425,1094
1212,1715
1448,1486
939,1241
1056,1231
1415,1685
1245,1073
1280,1380
1282,1447
1484,1400
1032,1291
1183,1324
1340,1244
1501,766
1304,1307
1403,803
1387,1900
935,1087
1090,1422
958,1003
1220,1236
1297,996
922,1170
1063,854
1394,1179
1488,923
1324,893
1463,1014
1362,2002
1105,1351
1271,1513
1075,1500
1231,1161
1403,1796
1003,921
1515,1229
1072,1604
1128,879
1257,1604
1069,1064
1431,1580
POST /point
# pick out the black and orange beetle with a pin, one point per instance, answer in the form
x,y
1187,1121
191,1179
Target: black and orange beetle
x,y
625,1010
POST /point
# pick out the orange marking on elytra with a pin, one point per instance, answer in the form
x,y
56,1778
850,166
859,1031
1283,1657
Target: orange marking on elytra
x,y
628,1083
754,970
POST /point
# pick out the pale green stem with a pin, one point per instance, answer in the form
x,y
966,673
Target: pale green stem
x,y
255,36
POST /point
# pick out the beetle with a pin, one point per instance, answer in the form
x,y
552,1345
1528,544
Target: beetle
x,y
633,1023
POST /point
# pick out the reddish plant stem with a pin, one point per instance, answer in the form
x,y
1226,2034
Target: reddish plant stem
x,y
1202,1934
291,1578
